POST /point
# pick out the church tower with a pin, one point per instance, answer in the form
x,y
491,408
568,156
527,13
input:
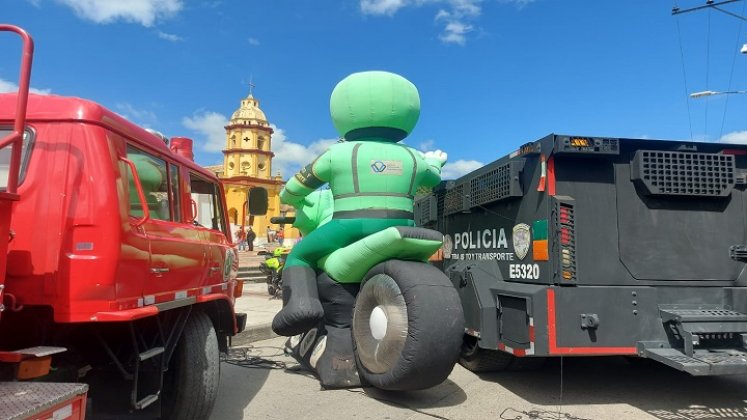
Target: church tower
x,y
247,163
248,140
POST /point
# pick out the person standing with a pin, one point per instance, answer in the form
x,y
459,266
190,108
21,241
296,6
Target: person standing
x,y
281,236
237,238
242,240
250,236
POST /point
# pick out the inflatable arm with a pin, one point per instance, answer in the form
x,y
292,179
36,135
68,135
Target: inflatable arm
x,y
313,211
307,180
435,161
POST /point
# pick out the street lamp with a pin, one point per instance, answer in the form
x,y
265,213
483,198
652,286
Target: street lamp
x,y
714,93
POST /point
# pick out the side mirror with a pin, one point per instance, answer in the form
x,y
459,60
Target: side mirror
x,y
257,201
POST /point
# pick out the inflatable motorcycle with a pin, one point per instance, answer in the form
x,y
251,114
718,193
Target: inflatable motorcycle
x,y
396,322
361,303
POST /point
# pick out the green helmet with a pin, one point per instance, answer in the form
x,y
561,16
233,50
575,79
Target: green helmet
x,y
375,105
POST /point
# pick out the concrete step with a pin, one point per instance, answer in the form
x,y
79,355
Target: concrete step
x,y
251,274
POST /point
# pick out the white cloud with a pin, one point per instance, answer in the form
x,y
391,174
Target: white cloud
x,y
169,37
10,87
456,16
253,41
426,146
141,117
520,4
455,33
211,126
291,156
737,137
454,170
382,7
457,20
144,12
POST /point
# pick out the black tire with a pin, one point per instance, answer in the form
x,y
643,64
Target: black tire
x,y
191,384
423,324
271,290
477,360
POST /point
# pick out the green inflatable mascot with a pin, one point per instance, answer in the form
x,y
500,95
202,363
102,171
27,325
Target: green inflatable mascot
x,y
372,184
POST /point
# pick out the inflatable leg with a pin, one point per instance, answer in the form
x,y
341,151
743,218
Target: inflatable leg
x,y
327,350
302,310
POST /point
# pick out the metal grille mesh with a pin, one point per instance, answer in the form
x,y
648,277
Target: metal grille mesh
x,y
683,173
453,201
490,186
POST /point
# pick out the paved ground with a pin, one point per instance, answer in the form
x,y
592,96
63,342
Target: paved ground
x,y
593,388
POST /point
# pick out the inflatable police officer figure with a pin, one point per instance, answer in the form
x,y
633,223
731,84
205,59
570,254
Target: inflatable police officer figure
x,y
373,179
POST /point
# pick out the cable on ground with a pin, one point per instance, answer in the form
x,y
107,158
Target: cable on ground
x,y
240,356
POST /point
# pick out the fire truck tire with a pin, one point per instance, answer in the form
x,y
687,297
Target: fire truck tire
x,y
407,326
475,359
194,371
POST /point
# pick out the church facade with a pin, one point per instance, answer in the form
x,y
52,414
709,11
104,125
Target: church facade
x,y
247,163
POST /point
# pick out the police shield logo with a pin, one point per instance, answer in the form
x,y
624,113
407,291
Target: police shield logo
x,y
448,246
521,239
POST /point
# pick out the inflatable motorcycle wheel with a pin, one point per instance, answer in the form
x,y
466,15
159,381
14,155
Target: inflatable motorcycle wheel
x,y
407,326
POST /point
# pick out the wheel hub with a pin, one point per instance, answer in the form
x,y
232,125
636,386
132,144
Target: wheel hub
x,y
378,322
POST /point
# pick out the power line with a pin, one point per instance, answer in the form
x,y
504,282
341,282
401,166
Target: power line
x,y
731,73
684,76
708,71
709,4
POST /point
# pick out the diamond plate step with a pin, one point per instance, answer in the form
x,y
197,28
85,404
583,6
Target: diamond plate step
x,y
703,362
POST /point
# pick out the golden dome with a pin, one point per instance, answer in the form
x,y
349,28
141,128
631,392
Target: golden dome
x,y
249,111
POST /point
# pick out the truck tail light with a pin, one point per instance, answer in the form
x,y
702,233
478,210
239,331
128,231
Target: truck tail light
x,y
565,236
565,230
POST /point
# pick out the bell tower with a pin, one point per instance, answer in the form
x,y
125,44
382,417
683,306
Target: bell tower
x,y
247,163
248,141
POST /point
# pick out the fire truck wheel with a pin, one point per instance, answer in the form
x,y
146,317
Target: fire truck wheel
x,y
475,359
191,385
407,326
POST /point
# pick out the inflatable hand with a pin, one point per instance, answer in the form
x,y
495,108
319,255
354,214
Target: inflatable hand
x,y
438,157
313,211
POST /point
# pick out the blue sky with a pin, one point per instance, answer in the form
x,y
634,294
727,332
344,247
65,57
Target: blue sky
x,y
492,74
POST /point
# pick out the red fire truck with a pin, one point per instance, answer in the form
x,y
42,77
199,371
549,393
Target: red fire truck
x,y
119,272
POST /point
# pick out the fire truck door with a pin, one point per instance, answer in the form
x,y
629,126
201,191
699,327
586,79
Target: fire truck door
x,y
208,204
177,248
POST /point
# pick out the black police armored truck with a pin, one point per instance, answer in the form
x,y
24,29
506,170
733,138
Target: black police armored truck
x,y
588,246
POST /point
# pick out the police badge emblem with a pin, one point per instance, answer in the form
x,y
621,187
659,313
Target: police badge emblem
x,y
521,238
448,246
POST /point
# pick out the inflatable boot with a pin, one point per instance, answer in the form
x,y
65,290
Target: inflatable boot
x,y
327,349
302,309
